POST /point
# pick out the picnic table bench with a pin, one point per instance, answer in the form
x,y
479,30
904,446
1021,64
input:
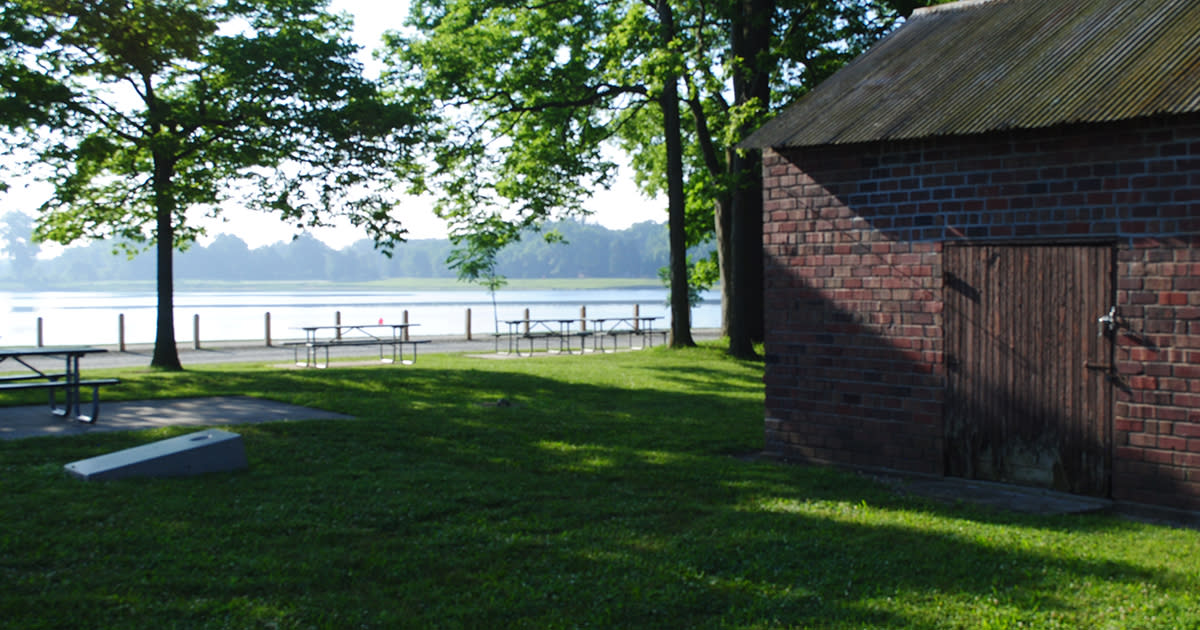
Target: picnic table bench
x,y
641,328
349,335
531,330
68,380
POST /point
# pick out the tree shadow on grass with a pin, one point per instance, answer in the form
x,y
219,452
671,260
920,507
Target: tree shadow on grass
x,y
582,505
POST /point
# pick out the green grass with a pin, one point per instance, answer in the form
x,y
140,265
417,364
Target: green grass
x,y
609,495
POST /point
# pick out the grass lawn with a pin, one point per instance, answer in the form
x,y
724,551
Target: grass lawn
x,y
609,495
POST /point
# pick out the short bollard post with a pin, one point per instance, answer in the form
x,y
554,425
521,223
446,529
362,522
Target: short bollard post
x,y
267,328
637,323
468,324
337,321
121,331
196,331
583,318
404,320
526,321
39,333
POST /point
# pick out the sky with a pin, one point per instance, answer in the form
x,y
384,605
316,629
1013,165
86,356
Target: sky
x,y
617,208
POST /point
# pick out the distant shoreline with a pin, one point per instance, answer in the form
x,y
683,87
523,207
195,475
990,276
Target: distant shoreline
x,y
391,284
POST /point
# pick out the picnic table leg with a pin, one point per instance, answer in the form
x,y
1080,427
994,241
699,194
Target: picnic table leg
x,y
326,358
95,407
71,390
65,410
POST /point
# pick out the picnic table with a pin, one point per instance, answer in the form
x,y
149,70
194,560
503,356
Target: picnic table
x,y
546,329
386,336
69,379
635,327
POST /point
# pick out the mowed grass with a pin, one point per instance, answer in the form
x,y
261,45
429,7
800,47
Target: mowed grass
x,y
611,494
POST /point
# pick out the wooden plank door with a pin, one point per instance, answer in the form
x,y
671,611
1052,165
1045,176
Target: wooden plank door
x,y
1029,376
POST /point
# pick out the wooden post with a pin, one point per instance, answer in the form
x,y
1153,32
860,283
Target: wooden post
x,y
527,321
39,333
404,320
583,318
196,331
468,324
337,321
637,323
267,328
121,331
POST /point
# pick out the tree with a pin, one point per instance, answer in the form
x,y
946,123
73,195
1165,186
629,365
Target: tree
x,y
474,260
532,90
146,112
16,240
668,97
529,96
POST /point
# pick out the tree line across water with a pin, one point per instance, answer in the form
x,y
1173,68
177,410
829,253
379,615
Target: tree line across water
x,y
585,251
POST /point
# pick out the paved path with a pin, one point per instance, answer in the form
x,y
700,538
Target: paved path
x,y
36,420
256,352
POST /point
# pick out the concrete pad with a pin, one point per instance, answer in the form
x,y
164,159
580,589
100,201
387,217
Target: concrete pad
x,y
36,420
1014,498
208,451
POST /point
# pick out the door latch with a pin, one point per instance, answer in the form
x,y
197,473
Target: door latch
x,y
1108,323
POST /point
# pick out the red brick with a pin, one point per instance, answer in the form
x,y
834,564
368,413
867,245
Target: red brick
x,y
1131,426
1142,439
1158,457
1142,382
1186,429
1127,454
1172,443
1158,287
1186,371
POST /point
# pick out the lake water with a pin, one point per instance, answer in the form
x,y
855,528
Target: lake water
x,y
91,318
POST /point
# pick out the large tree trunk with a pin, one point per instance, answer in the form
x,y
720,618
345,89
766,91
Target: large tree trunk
x,y
166,354
681,308
750,42
746,268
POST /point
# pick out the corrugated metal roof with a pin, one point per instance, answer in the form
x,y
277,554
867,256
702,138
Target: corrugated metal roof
x,y
986,65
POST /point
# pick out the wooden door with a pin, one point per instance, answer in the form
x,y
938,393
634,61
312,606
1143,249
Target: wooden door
x,y
1029,370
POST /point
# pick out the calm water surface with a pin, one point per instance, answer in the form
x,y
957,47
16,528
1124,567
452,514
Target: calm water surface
x,y
92,317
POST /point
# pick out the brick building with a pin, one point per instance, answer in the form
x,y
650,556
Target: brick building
x,y
982,251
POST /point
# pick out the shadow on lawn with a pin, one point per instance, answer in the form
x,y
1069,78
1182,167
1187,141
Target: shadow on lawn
x,y
714,534
612,506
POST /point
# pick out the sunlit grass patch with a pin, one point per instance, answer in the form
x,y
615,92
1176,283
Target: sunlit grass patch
x,y
607,495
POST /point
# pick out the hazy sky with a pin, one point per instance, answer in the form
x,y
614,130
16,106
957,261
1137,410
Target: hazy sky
x,y
617,208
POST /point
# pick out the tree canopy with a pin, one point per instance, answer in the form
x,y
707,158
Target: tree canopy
x,y
529,95
143,114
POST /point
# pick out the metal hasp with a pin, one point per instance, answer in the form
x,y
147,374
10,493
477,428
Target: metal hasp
x,y
193,454
1108,323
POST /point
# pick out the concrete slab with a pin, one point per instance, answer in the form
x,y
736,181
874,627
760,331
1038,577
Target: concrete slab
x,y
36,420
198,453
1003,496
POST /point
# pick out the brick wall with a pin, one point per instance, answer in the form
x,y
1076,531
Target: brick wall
x,y
853,238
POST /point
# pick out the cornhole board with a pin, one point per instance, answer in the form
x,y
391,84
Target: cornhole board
x,y
207,451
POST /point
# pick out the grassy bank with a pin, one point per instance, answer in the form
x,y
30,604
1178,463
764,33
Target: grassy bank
x,y
611,493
